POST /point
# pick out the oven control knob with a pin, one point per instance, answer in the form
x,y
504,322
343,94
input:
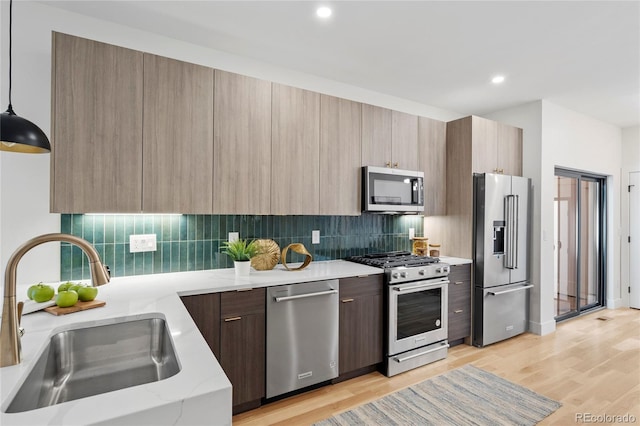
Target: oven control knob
x,y
438,270
403,274
445,269
395,275
421,272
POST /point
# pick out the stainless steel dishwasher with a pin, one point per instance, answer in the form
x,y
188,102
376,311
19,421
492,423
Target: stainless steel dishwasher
x,y
302,335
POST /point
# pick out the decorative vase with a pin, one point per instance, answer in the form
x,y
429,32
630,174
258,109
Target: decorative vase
x,y
242,268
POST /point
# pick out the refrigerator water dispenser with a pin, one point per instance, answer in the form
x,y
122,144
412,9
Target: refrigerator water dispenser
x,y
498,237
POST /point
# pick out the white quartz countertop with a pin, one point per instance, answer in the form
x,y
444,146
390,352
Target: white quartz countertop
x,y
199,393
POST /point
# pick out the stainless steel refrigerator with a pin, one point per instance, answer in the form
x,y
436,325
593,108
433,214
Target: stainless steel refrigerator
x,y
501,257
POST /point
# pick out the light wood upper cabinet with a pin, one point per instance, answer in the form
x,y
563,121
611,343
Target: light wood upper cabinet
x,y
509,150
389,138
497,147
376,136
295,151
432,158
474,145
404,141
242,145
339,156
96,127
178,136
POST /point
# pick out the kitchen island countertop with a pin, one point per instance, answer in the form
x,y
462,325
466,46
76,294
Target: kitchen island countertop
x,y
199,394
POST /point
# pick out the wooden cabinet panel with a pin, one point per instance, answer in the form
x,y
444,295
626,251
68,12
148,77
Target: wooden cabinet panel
x,y
509,158
96,127
242,345
404,141
205,311
459,305
376,136
340,142
474,145
242,145
432,157
243,302
178,137
484,145
361,323
295,179
242,357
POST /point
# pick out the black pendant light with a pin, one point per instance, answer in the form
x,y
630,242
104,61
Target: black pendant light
x,y
16,133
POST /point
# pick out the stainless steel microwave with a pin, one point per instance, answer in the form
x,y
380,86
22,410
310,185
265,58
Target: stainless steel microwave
x,y
387,190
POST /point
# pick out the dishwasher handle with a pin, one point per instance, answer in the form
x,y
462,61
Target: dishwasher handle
x,y
304,296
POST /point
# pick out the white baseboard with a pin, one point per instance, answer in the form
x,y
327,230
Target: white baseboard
x,y
542,329
614,303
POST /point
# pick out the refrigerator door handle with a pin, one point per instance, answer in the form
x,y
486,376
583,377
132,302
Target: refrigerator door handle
x,y
516,226
509,249
498,293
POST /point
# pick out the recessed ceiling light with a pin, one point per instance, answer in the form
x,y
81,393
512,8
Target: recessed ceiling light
x,y
497,79
323,12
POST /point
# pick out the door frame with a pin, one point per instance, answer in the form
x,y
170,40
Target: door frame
x,y
581,176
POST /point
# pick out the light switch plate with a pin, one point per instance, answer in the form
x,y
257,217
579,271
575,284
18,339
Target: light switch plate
x,y
234,236
315,236
142,242
412,233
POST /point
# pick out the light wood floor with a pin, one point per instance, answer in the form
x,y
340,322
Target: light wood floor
x,y
591,366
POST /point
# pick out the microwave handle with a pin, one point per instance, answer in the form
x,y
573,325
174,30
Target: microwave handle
x,y
418,195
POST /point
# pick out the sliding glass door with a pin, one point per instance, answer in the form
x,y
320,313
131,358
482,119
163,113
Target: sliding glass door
x,y
579,242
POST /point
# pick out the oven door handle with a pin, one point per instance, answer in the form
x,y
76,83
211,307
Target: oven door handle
x,y
407,358
420,286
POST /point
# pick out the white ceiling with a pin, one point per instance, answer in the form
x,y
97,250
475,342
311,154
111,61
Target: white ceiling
x,y
583,55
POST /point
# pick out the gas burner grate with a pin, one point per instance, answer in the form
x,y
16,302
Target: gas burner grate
x,y
393,260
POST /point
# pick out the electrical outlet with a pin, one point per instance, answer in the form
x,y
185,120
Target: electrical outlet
x,y
412,233
315,236
142,242
234,236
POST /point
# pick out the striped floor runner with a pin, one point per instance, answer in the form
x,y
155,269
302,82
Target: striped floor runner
x,y
465,396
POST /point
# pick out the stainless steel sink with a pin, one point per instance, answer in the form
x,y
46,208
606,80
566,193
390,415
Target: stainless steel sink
x,y
93,360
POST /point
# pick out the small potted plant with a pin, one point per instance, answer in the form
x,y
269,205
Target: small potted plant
x,y
241,251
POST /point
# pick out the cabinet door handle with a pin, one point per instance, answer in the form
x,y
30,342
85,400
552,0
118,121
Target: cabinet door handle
x,y
232,319
458,311
347,300
458,282
395,165
388,164
244,289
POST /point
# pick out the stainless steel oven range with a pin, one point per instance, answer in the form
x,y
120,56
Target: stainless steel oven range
x,y
416,308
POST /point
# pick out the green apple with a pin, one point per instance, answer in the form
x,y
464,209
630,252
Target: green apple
x,y
64,286
87,294
75,287
31,291
40,293
66,298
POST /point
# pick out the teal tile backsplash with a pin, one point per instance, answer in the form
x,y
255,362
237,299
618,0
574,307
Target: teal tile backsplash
x,y
192,242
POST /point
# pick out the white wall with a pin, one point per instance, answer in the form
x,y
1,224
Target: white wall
x,y
529,118
24,179
630,163
555,136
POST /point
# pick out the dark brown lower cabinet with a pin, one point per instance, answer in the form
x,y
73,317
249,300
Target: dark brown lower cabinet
x,y
242,345
233,325
361,329
205,311
459,327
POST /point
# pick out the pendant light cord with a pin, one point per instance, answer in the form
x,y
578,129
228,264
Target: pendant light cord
x,y
10,109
